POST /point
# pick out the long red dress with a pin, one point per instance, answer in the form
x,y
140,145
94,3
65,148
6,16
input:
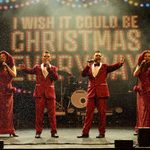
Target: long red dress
x,y
6,103
143,100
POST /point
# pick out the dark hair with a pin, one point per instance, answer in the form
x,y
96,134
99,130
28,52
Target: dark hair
x,y
9,59
97,51
47,52
141,57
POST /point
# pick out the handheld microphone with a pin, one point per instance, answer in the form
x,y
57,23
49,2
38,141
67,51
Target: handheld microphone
x,y
90,61
143,62
46,64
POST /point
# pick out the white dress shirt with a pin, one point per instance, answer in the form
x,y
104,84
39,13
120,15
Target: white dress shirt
x,y
95,69
44,70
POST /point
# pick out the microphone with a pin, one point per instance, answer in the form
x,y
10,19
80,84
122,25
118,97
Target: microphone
x,y
143,62
46,64
90,61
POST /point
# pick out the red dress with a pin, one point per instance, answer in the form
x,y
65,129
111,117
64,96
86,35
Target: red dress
x,y
6,103
143,100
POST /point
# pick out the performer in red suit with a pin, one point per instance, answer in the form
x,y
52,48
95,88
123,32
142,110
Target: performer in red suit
x,y
7,73
142,72
44,93
97,92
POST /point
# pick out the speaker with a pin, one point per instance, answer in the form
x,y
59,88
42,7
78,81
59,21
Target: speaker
x,y
1,144
123,143
144,137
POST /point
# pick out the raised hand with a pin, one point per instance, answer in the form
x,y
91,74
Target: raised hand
x,y
122,60
4,64
142,63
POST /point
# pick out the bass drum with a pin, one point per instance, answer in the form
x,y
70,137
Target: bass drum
x,y
78,98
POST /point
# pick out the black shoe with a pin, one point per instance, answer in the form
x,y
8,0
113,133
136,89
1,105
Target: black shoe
x,y
13,135
83,136
37,136
54,135
101,136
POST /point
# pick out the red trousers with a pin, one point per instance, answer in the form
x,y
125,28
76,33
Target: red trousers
x,y
100,103
50,104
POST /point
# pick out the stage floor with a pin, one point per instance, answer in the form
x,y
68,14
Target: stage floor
x,y
68,139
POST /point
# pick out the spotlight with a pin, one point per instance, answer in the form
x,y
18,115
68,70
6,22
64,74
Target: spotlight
x,y
147,5
119,110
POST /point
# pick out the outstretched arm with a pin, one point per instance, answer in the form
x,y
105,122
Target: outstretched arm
x,y
27,70
116,66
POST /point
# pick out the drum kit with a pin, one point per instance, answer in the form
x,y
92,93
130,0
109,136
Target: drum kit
x,y
74,97
78,99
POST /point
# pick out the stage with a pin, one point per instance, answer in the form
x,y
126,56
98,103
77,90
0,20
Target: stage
x,y
68,139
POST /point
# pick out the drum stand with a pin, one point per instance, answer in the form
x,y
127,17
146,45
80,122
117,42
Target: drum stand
x,y
60,105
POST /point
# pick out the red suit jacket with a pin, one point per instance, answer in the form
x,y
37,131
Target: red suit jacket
x,y
97,86
44,86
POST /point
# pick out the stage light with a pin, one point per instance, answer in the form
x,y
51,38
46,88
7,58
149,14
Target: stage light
x,y
11,7
141,5
138,3
18,91
24,91
29,92
81,3
130,2
147,4
15,4
5,7
22,5
118,110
